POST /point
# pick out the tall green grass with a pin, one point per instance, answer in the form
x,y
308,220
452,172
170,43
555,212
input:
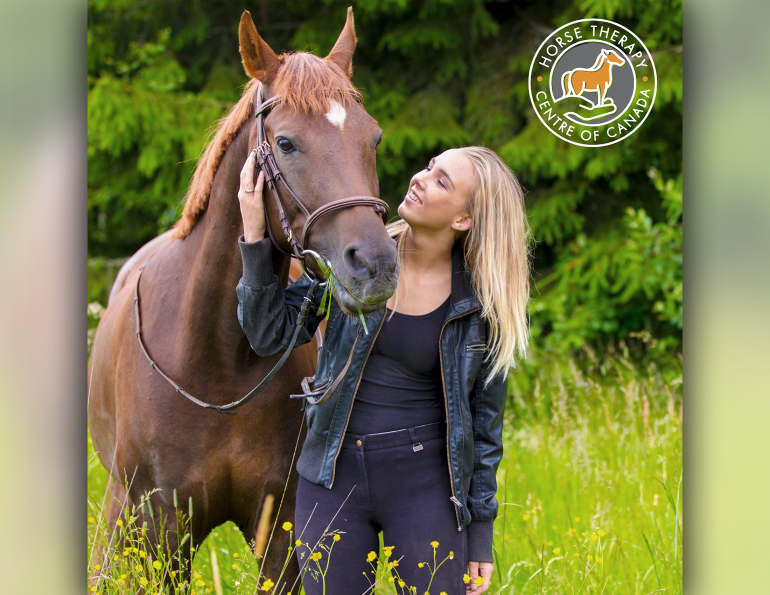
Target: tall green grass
x,y
590,491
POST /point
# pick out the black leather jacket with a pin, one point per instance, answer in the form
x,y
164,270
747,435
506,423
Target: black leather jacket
x,y
474,413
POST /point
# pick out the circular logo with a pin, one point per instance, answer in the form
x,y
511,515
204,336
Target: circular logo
x,y
592,82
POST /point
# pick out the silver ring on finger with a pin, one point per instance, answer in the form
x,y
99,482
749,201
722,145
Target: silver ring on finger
x,y
248,191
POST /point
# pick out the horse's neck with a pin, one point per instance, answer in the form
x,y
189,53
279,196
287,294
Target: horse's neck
x,y
213,258
604,65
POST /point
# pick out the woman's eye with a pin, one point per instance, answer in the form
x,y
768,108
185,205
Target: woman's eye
x,y
441,183
284,144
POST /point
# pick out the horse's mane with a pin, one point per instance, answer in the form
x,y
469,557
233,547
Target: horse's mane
x,y
306,83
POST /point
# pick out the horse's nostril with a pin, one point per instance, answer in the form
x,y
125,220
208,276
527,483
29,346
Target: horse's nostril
x,y
359,261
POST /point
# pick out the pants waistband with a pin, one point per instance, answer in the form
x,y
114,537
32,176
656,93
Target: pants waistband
x,y
396,438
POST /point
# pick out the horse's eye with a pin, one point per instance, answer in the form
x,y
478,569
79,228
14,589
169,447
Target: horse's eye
x,y
284,144
379,142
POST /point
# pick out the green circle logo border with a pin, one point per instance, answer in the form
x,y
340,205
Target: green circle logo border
x,y
654,89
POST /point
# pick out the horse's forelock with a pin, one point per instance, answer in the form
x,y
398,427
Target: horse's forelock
x,y
307,83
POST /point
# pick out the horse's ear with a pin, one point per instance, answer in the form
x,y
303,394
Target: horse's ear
x,y
259,61
342,52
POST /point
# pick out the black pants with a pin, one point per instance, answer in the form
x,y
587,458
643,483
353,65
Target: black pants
x,y
398,483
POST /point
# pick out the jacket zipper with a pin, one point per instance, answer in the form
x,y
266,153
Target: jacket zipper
x,y
453,498
350,409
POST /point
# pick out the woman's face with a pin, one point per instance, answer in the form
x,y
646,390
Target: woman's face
x,y
439,195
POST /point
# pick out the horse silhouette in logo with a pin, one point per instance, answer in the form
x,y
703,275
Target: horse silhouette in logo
x,y
597,78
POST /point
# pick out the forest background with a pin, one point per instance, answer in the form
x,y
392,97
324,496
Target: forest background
x,y
597,408
607,268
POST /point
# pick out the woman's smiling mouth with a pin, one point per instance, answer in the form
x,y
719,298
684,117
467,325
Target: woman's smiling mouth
x,y
412,196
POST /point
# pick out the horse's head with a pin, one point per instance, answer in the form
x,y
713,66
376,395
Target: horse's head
x,y
324,144
613,58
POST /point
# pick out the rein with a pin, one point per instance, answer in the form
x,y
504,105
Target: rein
x,y
266,161
228,409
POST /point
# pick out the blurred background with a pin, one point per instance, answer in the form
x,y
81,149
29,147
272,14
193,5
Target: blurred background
x,y
138,99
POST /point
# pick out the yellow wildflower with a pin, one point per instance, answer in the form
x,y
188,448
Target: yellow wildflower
x,y
601,533
91,519
336,537
388,547
143,581
157,565
466,578
442,593
590,558
298,543
173,574
434,544
401,583
549,544
556,551
234,566
142,555
371,556
119,523
126,552
594,537
388,553
286,526
98,567
235,555
391,579
138,568
115,558
577,519
525,517
267,585
196,575
199,583
392,564
479,580
451,555
420,565
598,560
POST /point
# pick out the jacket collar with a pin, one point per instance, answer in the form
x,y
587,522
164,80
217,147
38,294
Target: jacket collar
x,y
462,298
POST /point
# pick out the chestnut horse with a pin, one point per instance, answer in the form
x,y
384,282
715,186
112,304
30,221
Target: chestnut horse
x,y
141,428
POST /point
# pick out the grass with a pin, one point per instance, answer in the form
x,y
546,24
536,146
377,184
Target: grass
x,y
590,491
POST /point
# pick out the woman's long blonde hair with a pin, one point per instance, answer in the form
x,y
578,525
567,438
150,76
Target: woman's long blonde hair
x,y
496,250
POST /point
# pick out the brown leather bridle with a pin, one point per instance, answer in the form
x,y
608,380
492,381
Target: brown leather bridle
x,y
266,161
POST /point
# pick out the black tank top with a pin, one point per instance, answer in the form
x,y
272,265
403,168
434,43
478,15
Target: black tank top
x,y
401,383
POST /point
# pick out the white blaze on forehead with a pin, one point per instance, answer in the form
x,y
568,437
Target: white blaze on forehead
x,y
337,114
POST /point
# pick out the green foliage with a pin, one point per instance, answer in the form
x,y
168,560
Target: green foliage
x,y
435,74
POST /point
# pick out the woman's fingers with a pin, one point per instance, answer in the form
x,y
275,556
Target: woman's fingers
x,y
260,183
247,173
250,198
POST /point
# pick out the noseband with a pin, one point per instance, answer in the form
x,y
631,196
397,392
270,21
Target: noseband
x,y
266,162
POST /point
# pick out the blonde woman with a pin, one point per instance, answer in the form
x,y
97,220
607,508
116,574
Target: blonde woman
x,y
409,442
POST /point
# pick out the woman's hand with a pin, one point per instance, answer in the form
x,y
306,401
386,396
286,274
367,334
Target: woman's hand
x,y
482,569
250,197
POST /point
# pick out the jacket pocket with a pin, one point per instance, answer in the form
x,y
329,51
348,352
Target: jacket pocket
x,y
474,350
